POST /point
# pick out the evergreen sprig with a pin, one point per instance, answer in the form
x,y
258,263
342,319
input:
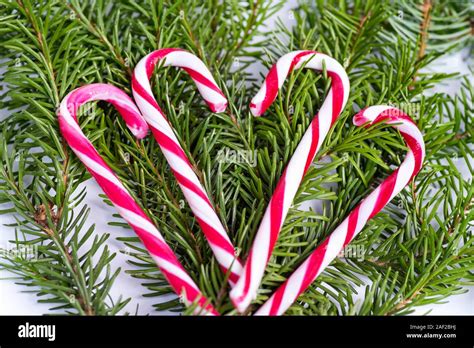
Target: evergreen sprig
x,y
417,251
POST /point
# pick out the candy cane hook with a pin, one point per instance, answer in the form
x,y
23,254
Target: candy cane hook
x,y
182,169
128,208
246,288
309,270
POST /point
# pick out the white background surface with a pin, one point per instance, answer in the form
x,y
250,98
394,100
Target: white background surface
x,y
14,301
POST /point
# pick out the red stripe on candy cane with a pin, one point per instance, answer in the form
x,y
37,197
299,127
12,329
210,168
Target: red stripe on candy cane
x,y
193,190
246,288
321,257
163,255
191,186
314,144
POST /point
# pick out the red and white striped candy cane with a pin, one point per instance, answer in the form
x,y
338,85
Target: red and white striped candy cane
x,y
309,270
169,265
182,169
246,288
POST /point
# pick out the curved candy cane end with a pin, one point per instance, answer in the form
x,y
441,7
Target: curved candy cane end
x,y
403,122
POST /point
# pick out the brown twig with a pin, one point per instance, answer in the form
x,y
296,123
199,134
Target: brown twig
x,y
400,305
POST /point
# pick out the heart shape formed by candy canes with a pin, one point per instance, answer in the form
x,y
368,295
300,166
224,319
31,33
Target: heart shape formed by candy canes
x,y
128,208
246,288
330,247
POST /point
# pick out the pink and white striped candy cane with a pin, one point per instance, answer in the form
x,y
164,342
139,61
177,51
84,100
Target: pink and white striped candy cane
x,y
169,265
246,288
309,270
182,169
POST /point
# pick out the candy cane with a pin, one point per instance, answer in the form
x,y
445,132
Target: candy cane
x,y
307,272
128,208
188,181
246,288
